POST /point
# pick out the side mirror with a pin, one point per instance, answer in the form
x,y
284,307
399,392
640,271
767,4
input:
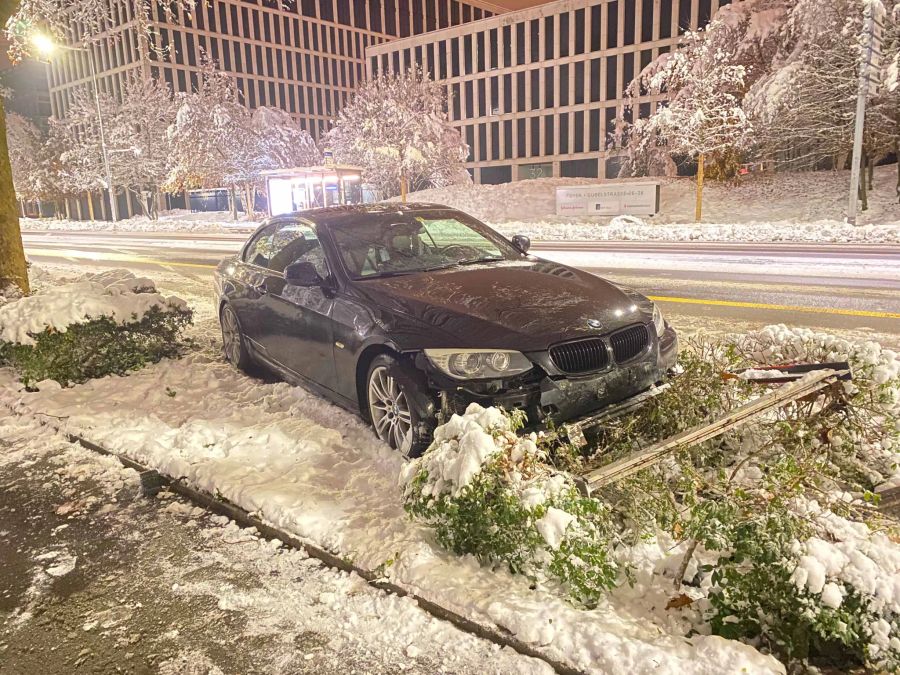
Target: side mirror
x,y
302,274
521,242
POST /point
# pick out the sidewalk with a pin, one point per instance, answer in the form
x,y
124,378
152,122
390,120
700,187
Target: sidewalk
x,y
99,579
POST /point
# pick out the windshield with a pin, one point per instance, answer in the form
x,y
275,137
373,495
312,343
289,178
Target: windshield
x,y
401,243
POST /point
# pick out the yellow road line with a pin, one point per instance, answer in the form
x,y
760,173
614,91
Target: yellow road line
x,y
781,308
70,254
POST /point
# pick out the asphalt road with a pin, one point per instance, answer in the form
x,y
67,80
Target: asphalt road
x,y
700,285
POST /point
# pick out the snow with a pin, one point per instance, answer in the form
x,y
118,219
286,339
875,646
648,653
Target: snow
x,y
798,207
117,294
552,526
304,466
176,220
785,207
463,445
275,602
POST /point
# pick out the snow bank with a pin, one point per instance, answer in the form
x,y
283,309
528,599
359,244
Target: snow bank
x,y
635,229
789,207
321,474
798,207
177,220
117,294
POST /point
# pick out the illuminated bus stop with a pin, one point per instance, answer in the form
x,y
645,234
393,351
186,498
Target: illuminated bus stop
x,y
300,188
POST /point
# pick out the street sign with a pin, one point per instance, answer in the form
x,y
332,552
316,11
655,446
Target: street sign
x,y
611,199
327,158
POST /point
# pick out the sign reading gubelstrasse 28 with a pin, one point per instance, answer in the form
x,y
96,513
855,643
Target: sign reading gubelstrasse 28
x,y
615,199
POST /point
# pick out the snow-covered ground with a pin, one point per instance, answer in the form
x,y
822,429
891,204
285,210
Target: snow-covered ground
x,y
178,220
791,207
170,586
797,207
316,471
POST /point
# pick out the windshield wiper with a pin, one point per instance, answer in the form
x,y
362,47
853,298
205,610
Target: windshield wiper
x,y
382,275
474,261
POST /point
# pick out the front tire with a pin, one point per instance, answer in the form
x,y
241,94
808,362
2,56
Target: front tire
x,y
233,344
388,402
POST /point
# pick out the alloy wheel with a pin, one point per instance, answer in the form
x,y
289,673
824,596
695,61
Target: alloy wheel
x,y
389,410
231,337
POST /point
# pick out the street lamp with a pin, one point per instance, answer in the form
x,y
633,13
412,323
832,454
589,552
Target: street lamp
x,y
46,46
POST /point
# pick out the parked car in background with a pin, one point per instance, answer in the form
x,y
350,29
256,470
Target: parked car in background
x,y
409,313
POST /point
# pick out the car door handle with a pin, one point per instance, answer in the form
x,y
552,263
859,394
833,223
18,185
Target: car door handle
x,y
262,287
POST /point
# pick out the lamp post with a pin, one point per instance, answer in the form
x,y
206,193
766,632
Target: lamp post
x,y
47,46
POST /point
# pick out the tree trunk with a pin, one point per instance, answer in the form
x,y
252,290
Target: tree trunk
x,y
13,268
90,197
232,198
871,173
249,199
698,207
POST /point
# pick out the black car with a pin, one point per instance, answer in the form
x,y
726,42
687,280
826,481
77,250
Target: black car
x,y
409,313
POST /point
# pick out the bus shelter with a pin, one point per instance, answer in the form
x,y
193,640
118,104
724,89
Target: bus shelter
x,y
309,187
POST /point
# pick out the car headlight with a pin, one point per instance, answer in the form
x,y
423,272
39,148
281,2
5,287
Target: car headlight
x,y
475,364
659,321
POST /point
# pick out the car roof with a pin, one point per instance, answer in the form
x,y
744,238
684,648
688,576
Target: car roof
x,y
338,215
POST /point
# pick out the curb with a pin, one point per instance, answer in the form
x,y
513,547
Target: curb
x,y
151,481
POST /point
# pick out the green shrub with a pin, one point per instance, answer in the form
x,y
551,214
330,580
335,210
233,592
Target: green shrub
x,y
759,595
512,508
97,348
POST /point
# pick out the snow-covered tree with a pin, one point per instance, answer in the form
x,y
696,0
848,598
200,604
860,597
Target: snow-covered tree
x,y
396,128
284,142
702,118
136,140
23,19
26,146
216,141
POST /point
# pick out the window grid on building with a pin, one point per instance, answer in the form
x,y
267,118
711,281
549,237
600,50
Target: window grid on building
x,y
304,56
565,65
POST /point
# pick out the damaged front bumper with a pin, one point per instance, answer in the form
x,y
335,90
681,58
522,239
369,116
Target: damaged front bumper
x,y
551,397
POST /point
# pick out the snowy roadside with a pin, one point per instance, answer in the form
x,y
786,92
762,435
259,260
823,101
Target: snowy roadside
x,y
803,207
307,467
99,577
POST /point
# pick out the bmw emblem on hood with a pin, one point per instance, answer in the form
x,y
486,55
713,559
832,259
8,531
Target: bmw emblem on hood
x,y
594,323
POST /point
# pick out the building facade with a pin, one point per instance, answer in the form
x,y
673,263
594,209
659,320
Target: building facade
x,y
536,93
304,56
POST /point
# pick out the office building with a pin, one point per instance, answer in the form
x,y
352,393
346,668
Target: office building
x,y
304,56
535,93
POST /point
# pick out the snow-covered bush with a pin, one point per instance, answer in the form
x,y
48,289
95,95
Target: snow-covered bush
x,y
105,323
814,577
490,493
833,593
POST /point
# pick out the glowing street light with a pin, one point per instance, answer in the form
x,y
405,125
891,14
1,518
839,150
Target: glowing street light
x,y
45,45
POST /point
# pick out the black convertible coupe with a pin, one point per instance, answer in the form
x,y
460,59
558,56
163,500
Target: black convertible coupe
x,y
408,313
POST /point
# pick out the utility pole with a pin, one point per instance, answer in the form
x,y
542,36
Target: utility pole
x,y
113,202
869,65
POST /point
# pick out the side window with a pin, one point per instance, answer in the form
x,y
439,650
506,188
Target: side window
x,y
296,242
259,250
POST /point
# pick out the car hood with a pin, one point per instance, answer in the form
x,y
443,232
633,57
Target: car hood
x,y
523,305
